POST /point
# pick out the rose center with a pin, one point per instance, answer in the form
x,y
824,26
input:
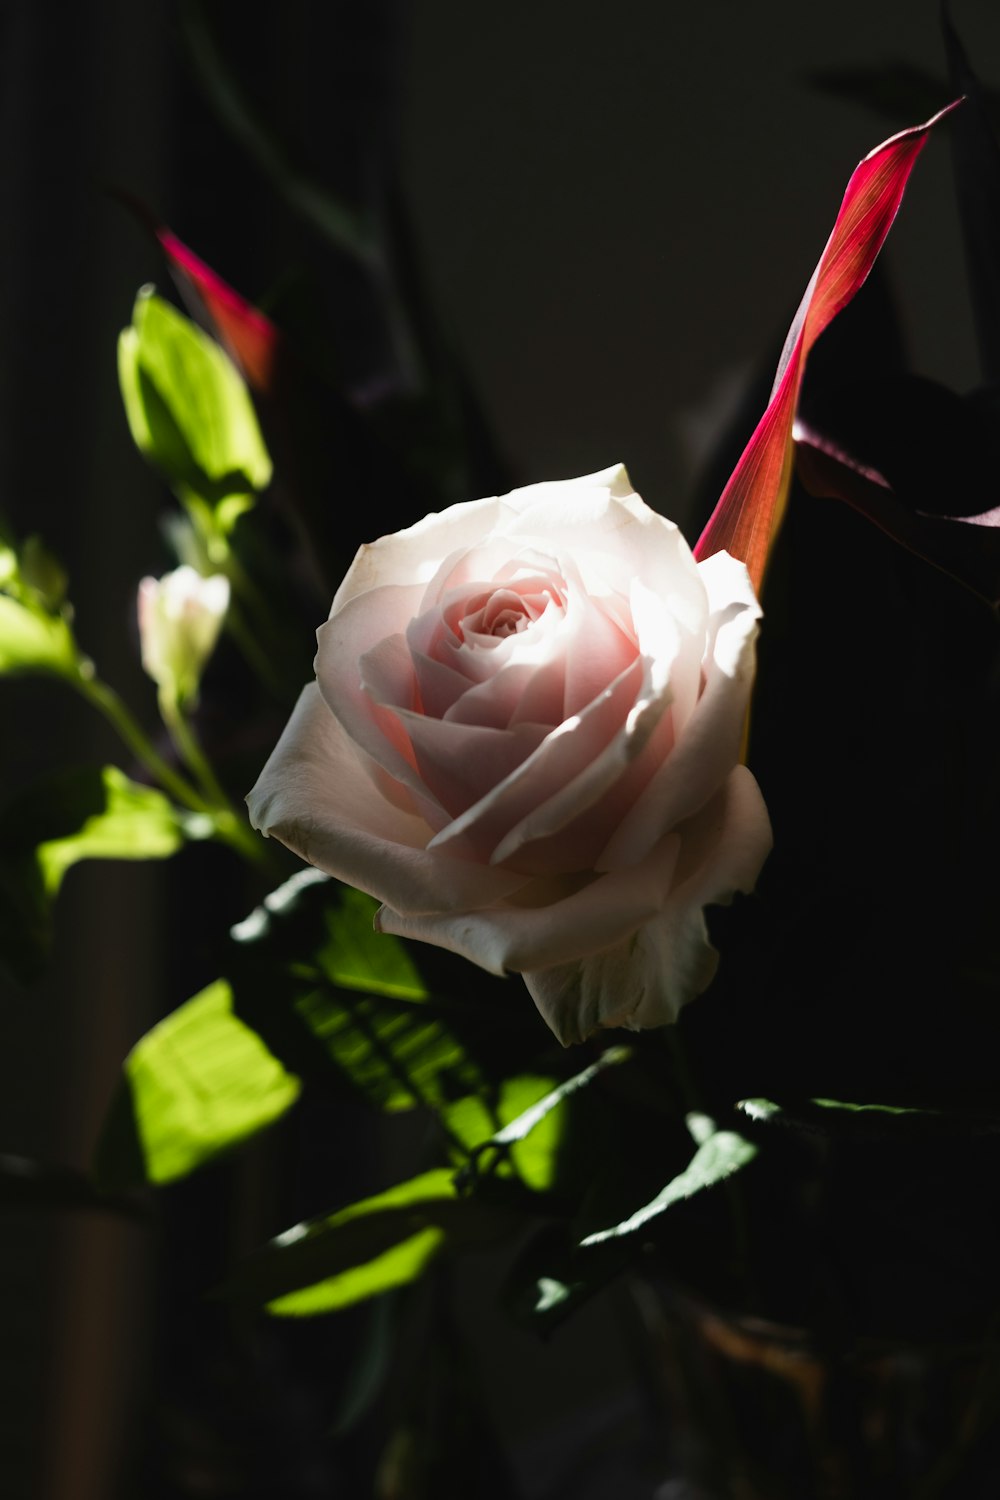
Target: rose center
x,y
500,613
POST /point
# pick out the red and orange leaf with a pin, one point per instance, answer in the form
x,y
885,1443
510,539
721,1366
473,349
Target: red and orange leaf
x,y
746,520
250,338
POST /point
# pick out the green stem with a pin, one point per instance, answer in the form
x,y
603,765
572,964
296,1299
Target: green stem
x,y
108,703
215,805
230,825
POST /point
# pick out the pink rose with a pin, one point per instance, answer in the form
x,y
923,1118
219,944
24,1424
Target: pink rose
x,y
524,739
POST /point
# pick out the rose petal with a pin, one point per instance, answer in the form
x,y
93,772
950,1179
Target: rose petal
x,y
344,642
564,754
415,554
519,694
315,795
463,764
568,829
647,979
708,744
585,921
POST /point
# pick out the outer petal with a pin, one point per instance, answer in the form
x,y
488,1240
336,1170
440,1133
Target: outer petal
x,y
646,979
585,921
415,554
708,744
316,796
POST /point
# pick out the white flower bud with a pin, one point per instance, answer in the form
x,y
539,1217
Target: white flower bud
x,y
180,616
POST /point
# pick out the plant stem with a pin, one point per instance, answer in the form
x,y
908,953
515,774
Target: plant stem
x,y
230,825
215,805
108,703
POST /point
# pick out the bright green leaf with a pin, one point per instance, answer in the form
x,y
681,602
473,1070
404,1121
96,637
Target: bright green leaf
x,y
530,1152
33,641
135,822
201,1082
720,1155
357,1252
398,1054
396,1266
84,813
189,410
531,1113
310,952
368,1247
356,957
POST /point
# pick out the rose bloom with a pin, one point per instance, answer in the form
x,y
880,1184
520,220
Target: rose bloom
x,y
524,740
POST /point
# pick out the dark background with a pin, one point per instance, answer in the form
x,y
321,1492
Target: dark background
x,y
616,209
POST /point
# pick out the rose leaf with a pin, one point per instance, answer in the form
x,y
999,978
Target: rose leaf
x,y
842,1120
85,813
534,1116
720,1154
199,1083
335,999
367,1248
33,640
966,547
189,410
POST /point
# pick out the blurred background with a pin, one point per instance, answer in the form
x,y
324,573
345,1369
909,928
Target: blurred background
x,y
614,212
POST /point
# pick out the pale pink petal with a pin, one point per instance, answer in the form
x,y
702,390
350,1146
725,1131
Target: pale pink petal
x,y
346,638
565,753
502,702
675,652
315,795
438,685
596,651
646,979
572,828
480,659
461,764
412,557
586,920
709,743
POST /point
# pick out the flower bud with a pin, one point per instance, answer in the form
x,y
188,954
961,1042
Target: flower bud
x,y
180,616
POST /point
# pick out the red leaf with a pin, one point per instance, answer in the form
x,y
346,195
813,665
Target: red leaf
x,y
745,522
966,547
249,337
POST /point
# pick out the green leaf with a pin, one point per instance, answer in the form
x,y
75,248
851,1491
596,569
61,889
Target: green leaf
x,y
134,822
85,813
189,410
545,1285
395,1267
720,1154
356,957
532,1114
366,1248
32,640
309,955
835,1119
201,1082
531,1157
